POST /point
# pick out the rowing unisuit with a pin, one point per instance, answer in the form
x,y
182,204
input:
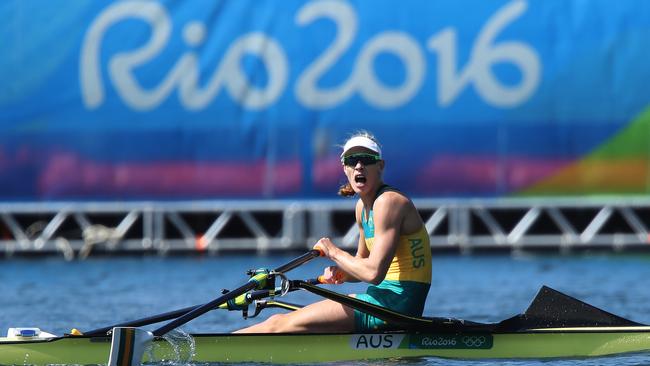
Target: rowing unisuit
x,y
407,281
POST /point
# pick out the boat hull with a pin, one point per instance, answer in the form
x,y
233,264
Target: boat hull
x,y
292,348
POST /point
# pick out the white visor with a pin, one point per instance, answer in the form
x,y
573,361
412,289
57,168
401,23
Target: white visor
x,y
361,141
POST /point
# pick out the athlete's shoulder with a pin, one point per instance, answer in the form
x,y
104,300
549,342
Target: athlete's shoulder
x,y
391,199
390,192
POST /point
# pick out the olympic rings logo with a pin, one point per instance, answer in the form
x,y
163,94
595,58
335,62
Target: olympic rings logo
x,y
473,341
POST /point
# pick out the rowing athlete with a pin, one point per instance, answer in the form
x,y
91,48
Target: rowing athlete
x,y
393,254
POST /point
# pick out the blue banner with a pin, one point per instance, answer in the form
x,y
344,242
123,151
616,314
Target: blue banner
x,y
250,99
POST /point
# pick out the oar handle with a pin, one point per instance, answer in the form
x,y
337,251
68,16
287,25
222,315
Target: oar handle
x,y
337,278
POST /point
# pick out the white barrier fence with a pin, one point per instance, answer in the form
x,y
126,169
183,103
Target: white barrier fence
x,y
77,230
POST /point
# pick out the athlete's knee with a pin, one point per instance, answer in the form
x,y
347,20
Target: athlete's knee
x,y
277,323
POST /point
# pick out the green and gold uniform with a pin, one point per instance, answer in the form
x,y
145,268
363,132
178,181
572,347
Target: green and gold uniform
x,y
407,282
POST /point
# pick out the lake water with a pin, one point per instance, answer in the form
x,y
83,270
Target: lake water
x,y
57,296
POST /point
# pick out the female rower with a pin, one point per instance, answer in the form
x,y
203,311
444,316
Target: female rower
x,y
393,254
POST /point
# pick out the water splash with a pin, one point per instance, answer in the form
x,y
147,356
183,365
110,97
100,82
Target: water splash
x,y
178,348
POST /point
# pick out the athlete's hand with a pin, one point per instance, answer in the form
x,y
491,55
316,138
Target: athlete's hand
x,y
325,246
332,275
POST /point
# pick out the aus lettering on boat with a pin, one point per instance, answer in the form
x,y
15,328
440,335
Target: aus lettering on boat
x,y
377,341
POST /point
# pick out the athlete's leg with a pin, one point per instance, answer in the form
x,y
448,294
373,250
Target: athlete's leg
x,y
323,316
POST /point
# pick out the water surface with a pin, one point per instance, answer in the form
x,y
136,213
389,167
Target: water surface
x,y
57,296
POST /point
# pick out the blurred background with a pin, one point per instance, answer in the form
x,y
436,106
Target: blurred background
x,y
213,126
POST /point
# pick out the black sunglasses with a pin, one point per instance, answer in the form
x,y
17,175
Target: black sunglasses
x,y
365,159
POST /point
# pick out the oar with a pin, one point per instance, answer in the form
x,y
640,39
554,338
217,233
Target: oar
x,y
128,343
391,316
141,322
397,319
156,318
180,312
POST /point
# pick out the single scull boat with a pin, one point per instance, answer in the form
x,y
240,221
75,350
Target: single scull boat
x,y
554,326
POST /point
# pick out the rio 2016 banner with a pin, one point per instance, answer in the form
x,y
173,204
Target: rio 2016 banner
x,y
152,99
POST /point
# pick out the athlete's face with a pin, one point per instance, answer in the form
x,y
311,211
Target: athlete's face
x,y
363,169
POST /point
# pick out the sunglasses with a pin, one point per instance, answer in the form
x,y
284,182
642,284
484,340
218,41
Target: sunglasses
x,y
365,159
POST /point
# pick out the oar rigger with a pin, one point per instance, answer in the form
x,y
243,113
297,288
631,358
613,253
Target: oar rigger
x,y
270,291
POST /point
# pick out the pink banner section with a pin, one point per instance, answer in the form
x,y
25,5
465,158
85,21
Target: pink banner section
x,y
68,176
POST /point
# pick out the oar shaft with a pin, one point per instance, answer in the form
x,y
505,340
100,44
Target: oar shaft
x,y
203,309
233,294
299,261
397,319
144,321
180,312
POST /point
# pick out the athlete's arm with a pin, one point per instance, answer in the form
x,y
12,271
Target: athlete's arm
x,y
335,274
388,212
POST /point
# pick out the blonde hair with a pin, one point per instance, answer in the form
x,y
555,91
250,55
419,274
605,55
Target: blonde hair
x,y
346,189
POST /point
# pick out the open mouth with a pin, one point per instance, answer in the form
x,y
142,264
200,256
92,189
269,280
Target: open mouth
x,y
360,178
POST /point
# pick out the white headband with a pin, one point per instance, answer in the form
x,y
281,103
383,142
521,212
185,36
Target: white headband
x,y
361,141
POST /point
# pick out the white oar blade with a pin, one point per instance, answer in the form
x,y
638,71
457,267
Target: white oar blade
x,y
128,345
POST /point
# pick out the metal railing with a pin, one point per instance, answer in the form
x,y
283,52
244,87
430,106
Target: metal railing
x,y
77,230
